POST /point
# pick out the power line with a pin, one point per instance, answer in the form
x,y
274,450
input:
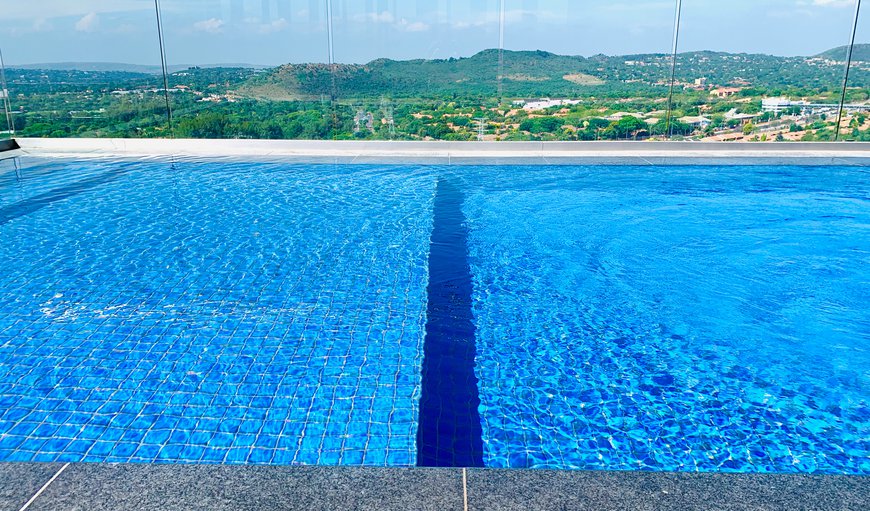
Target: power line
x,y
481,128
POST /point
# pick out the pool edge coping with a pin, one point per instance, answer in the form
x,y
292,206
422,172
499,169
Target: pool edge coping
x,y
375,152
179,486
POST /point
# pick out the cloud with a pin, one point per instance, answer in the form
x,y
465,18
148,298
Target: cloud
x,y
89,23
276,26
387,18
381,17
211,25
412,26
67,8
831,3
511,17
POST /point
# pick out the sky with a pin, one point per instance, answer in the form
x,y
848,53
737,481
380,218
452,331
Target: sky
x,y
271,32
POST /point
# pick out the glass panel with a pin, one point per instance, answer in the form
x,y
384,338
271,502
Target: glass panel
x,y
753,72
855,124
568,77
416,70
249,69
83,69
4,98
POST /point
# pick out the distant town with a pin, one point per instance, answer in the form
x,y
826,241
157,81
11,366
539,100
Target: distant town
x,y
537,96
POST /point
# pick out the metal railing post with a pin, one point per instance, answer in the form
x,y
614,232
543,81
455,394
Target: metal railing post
x,y
10,125
673,67
846,74
164,67
501,22
333,93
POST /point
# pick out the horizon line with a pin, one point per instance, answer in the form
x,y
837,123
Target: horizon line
x,y
263,66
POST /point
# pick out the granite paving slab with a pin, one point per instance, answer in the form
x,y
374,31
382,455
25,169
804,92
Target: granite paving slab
x,y
526,490
116,487
20,481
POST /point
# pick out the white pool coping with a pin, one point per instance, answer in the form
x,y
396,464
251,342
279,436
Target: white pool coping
x,y
452,152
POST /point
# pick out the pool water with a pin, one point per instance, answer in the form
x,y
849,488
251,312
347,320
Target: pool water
x,y
212,313
624,318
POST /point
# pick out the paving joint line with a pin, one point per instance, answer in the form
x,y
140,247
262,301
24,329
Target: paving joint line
x,y
44,487
464,489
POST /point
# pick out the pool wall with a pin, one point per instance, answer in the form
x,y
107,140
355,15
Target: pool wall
x,y
8,145
471,153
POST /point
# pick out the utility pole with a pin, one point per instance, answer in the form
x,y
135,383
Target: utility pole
x,y
481,128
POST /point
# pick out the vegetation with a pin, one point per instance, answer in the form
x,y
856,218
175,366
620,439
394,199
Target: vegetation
x,y
456,99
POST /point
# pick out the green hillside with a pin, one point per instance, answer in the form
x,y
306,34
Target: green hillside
x,y
526,73
861,53
537,74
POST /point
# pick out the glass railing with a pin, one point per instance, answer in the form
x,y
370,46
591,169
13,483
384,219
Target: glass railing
x,y
8,132
416,70
83,69
567,77
747,74
239,70
854,124
495,70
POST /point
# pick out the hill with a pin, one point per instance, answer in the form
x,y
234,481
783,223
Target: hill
x,y
537,74
861,53
104,67
525,73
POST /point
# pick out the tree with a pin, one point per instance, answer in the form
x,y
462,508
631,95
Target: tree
x,y
748,128
630,126
541,125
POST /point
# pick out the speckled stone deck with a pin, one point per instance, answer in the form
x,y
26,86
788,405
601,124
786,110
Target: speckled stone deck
x,y
212,487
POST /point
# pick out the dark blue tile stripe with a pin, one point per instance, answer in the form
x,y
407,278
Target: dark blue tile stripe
x,y
449,433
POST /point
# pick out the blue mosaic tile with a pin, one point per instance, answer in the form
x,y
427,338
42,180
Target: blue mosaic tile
x,y
202,312
667,318
628,319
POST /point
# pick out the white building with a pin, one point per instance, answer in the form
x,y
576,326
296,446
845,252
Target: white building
x,y
698,121
775,105
545,103
732,115
619,115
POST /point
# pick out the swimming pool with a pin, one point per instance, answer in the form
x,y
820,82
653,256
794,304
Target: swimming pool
x,y
589,317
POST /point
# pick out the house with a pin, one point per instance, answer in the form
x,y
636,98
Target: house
x,y
725,92
545,103
698,121
732,115
619,115
777,105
